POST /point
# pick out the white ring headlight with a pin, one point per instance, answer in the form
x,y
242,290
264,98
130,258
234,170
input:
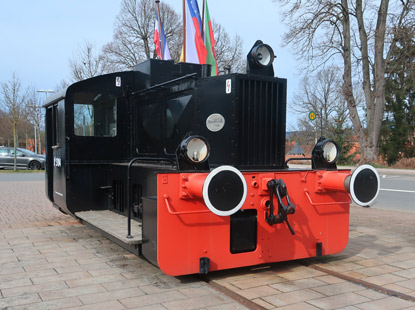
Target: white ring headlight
x,y
330,151
197,149
263,55
325,154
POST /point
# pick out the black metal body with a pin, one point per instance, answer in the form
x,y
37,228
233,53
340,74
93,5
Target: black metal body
x,y
157,105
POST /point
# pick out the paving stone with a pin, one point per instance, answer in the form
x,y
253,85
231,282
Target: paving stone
x,y
389,303
151,307
109,305
196,302
19,300
338,301
384,279
147,300
263,303
378,270
50,305
300,273
112,295
78,268
288,286
106,271
73,291
57,277
396,287
88,280
339,288
197,291
289,298
298,306
113,286
406,264
259,291
15,283
254,282
408,273
410,284
32,289
47,265
227,306
11,270
372,294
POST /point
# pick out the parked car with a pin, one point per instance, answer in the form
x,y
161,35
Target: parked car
x,y
25,159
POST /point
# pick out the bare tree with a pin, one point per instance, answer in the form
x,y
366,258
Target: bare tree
x,y
35,114
62,85
357,32
134,31
320,94
86,63
14,102
5,132
228,52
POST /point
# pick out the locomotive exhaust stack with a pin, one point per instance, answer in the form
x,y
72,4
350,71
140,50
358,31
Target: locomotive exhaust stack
x,y
195,167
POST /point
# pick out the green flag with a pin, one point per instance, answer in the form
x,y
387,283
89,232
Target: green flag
x,y
209,42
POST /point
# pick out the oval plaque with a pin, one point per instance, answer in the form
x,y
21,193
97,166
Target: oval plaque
x,y
215,122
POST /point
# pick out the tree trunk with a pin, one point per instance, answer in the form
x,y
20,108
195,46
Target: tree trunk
x,y
38,136
347,87
14,145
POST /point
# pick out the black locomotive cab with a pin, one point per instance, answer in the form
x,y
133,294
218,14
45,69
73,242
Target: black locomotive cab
x,y
196,164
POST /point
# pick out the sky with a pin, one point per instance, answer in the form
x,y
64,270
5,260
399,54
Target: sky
x,y
39,37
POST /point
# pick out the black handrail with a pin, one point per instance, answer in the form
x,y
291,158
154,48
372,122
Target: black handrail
x,y
187,76
129,236
293,158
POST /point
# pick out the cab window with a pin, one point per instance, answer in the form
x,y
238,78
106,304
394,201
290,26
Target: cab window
x,y
95,115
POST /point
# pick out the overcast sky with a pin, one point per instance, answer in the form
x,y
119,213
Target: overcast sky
x,y
38,37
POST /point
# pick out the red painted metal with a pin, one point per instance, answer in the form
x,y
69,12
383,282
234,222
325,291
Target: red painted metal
x,y
187,230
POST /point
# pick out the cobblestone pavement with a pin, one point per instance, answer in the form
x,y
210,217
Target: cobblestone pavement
x,y
50,261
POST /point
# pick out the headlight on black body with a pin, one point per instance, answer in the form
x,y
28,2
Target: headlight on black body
x,y
325,154
193,153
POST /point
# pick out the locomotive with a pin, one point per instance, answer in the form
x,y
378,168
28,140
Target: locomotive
x,y
188,170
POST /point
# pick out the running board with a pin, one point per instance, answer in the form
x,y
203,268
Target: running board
x,y
114,227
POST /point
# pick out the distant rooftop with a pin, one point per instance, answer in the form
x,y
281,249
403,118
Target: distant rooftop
x,y
296,150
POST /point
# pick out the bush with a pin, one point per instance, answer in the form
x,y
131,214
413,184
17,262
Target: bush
x,y
405,163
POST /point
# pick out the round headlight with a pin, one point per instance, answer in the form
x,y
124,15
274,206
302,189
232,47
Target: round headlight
x,y
196,149
330,151
263,55
325,154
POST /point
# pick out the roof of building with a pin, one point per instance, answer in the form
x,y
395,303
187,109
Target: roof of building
x,y
296,150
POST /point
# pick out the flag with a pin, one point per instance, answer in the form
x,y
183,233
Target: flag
x,y
209,42
162,51
195,48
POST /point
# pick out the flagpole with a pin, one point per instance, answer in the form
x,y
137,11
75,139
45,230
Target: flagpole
x,y
203,21
184,31
160,33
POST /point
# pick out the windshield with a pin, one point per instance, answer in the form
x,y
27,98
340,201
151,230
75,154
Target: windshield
x,y
27,152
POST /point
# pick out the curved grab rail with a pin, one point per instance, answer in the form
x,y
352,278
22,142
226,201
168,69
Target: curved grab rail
x,y
315,204
166,200
129,236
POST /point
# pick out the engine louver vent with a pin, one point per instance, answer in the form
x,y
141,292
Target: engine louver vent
x,y
261,118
